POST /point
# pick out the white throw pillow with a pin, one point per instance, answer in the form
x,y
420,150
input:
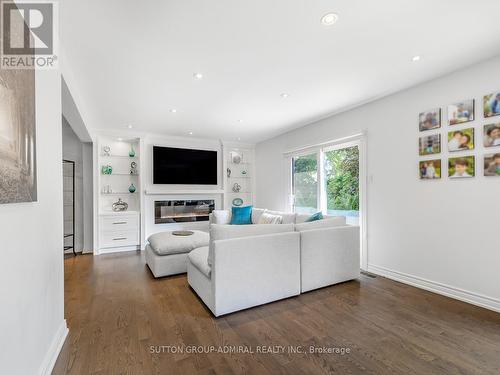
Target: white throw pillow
x,y
221,217
267,218
336,221
256,214
288,217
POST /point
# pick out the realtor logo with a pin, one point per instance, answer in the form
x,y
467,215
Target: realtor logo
x,y
29,35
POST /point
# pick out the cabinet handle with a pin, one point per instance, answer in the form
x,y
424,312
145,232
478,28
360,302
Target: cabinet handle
x,y
120,222
119,238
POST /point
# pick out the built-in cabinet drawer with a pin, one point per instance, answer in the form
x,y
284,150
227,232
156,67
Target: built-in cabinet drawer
x,y
120,222
119,238
119,230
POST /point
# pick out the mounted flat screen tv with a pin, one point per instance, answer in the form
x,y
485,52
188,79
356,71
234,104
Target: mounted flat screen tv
x,y
182,166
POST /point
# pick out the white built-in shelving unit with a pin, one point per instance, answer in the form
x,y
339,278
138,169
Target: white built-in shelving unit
x,y
239,182
118,231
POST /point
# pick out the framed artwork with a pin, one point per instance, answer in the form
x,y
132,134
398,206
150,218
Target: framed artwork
x,y
430,119
491,104
430,169
461,112
430,144
462,167
461,140
492,165
17,136
491,135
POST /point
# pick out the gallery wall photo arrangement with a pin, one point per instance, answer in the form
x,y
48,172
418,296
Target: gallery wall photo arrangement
x,y
430,169
461,112
462,167
429,120
491,135
461,140
491,104
430,144
492,165
17,136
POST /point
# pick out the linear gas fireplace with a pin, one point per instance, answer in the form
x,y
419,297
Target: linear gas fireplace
x,y
183,211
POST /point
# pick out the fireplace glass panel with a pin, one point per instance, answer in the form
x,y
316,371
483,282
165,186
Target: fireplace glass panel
x,y
183,211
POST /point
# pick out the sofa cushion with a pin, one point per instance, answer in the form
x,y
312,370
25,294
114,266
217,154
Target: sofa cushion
x,y
267,218
198,258
225,232
241,215
288,217
336,221
165,243
220,217
256,214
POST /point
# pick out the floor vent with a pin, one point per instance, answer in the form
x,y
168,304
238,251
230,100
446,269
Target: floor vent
x,y
369,274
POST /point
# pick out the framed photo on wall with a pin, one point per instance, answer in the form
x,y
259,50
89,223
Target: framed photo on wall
x,y
462,167
430,169
461,112
461,140
491,133
492,165
430,145
491,104
429,120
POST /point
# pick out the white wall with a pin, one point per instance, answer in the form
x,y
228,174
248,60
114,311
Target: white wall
x,y
32,325
441,235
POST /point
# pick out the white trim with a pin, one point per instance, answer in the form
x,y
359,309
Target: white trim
x,y
187,191
435,287
54,349
313,148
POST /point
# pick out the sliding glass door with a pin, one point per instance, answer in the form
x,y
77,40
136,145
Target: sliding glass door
x,y
341,182
305,183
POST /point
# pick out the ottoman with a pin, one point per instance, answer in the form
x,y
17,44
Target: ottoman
x,y
166,254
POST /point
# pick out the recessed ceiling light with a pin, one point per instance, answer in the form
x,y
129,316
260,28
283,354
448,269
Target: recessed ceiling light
x,y
329,19
190,133
198,75
129,126
240,121
415,58
239,138
120,139
173,110
285,95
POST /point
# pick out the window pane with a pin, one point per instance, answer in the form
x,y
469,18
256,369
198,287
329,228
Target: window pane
x,y
342,183
305,183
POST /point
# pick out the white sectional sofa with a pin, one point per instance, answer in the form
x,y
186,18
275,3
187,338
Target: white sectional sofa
x,y
250,265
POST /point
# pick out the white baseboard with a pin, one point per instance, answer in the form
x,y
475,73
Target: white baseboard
x,y
54,349
443,289
112,250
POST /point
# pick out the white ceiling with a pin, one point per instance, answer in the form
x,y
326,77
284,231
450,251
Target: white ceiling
x,y
133,61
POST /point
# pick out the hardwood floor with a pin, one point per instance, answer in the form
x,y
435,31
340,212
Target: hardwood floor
x,y
123,321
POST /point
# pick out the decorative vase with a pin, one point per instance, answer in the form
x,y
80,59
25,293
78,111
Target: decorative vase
x,y
228,171
106,150
107,169
131,188
131,153
236,187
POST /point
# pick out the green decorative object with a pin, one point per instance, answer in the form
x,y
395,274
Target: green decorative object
x,y
237,202
131,188
107,169
131,153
